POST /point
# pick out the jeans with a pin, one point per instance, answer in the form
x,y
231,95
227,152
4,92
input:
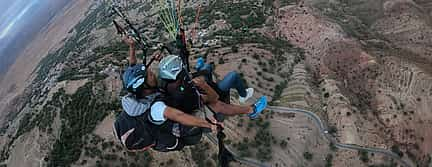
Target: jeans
x,y
231,80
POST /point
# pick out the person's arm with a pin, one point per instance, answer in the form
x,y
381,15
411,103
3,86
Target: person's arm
x,y
160,113
133,107
210,95
186,119
132,55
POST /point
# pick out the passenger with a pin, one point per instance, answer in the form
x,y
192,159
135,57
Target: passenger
x,y
148,121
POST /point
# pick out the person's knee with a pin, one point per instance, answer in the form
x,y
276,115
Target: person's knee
x,y
233,74
207,67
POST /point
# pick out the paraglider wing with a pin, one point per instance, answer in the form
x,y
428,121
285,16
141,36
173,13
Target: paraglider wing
x,y
168,16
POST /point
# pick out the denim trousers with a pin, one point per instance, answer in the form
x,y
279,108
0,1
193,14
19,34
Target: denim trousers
x,y
231,80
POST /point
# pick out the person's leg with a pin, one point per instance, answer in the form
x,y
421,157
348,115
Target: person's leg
x,y
210,98
233,80
207,67
229,109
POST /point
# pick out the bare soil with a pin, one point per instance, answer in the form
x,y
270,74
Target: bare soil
x,y
20,74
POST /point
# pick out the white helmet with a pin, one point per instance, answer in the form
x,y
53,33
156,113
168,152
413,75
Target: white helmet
x,y
170,66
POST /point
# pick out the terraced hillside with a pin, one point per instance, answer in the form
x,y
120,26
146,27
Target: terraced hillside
x,y
366,55
74,97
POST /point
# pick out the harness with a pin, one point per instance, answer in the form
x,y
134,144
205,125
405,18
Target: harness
x,y
224,155
181,93
143,132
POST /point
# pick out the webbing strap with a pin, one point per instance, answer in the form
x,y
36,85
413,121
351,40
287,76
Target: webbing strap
x,y
224,155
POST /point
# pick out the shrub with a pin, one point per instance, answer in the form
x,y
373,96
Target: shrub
x,y
364,156
264,153
256,56
283,144
332,129
234,49
308,156
329,160
396,149
240,123
332,146
110,157
279,89
244,148
170,161
199,153
235,22
221,61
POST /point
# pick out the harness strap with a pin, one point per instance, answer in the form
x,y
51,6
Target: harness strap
x,y
224,155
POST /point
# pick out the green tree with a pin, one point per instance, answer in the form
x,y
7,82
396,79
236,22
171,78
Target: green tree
x,y
234,48
221,60
308,156
329,160
283,144
364,156
396,149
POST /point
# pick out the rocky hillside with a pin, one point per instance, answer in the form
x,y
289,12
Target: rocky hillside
x,y
364,67
372,59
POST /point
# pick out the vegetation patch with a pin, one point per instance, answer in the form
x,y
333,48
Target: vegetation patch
x,y
75,44
278,90
80,115
308,156
329,160
201,156
364,156
261,146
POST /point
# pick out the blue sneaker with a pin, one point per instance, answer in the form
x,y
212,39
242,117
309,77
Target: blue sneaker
x,y
199,64
259,106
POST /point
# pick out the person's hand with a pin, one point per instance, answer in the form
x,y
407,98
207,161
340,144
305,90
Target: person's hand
x,y
129,41
215,124
158,56
199,81
208,94
214,128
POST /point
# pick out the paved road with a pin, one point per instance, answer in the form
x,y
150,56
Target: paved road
x,y
324,131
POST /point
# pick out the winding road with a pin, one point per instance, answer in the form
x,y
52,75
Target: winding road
x,y
324,131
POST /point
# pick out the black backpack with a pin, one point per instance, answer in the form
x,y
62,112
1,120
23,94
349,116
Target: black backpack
x,y
143,133
147,135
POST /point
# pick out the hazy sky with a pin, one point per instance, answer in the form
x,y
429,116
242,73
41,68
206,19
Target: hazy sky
x,y
20,22
12,14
